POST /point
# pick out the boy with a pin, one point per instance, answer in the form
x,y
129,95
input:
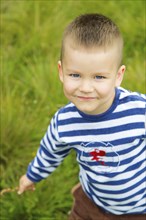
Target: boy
x,y
103,123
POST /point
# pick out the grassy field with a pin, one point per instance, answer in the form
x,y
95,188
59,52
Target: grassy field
x,y
31,32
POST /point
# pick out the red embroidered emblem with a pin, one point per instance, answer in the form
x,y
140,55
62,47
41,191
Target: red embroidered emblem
x,y
97,154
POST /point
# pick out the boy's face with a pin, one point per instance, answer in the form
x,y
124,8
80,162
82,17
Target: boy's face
x,y
89,78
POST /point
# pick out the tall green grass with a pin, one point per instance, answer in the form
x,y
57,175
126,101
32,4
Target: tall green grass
x,y
31,93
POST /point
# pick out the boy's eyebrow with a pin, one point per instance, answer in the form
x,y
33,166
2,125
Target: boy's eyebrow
x,y
74,71
101,72
96,73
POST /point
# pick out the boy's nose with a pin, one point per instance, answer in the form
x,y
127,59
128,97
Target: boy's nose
x,y
86,87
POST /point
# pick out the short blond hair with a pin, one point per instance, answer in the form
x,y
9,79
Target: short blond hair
x,y
92,30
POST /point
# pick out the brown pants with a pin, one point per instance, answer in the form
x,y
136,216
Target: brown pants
x,y
85,209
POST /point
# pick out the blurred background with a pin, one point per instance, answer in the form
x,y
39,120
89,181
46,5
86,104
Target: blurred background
x,y
31,33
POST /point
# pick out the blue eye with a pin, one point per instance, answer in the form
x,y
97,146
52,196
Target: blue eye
x,y
75,75
99,77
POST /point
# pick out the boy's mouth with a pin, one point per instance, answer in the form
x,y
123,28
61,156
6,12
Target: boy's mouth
x,y
85,98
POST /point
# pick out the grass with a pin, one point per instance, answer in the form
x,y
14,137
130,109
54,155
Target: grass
x,y
31,32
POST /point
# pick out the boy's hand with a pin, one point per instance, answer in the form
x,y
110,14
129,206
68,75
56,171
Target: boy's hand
x,y
25,184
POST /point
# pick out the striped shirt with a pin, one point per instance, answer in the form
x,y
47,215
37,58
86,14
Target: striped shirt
x,y
110,149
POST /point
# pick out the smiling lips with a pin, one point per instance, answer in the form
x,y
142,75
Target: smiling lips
x,y
85,98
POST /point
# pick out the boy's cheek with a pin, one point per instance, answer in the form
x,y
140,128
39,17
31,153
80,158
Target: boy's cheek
x,y
70,86
105,89
68,90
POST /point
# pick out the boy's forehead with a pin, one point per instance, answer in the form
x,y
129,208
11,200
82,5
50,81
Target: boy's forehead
x,y
71,48
91,59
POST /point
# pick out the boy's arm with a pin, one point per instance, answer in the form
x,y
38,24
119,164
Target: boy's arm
x,y
50,154
25,184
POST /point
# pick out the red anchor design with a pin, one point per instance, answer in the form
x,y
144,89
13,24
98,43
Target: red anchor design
x,y
97,154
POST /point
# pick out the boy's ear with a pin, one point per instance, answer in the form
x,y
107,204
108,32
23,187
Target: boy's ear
x,y
60,71
120,75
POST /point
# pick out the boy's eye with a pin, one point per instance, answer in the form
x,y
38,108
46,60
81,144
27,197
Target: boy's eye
x,y
99,77
74,75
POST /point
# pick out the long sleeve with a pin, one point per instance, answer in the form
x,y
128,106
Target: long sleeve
x,y
49,155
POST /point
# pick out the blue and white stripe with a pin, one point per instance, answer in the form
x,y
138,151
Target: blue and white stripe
x,y
115,181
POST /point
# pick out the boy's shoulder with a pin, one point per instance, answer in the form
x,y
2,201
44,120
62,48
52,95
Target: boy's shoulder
x,y
130,102
67,112
68,108
128,95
